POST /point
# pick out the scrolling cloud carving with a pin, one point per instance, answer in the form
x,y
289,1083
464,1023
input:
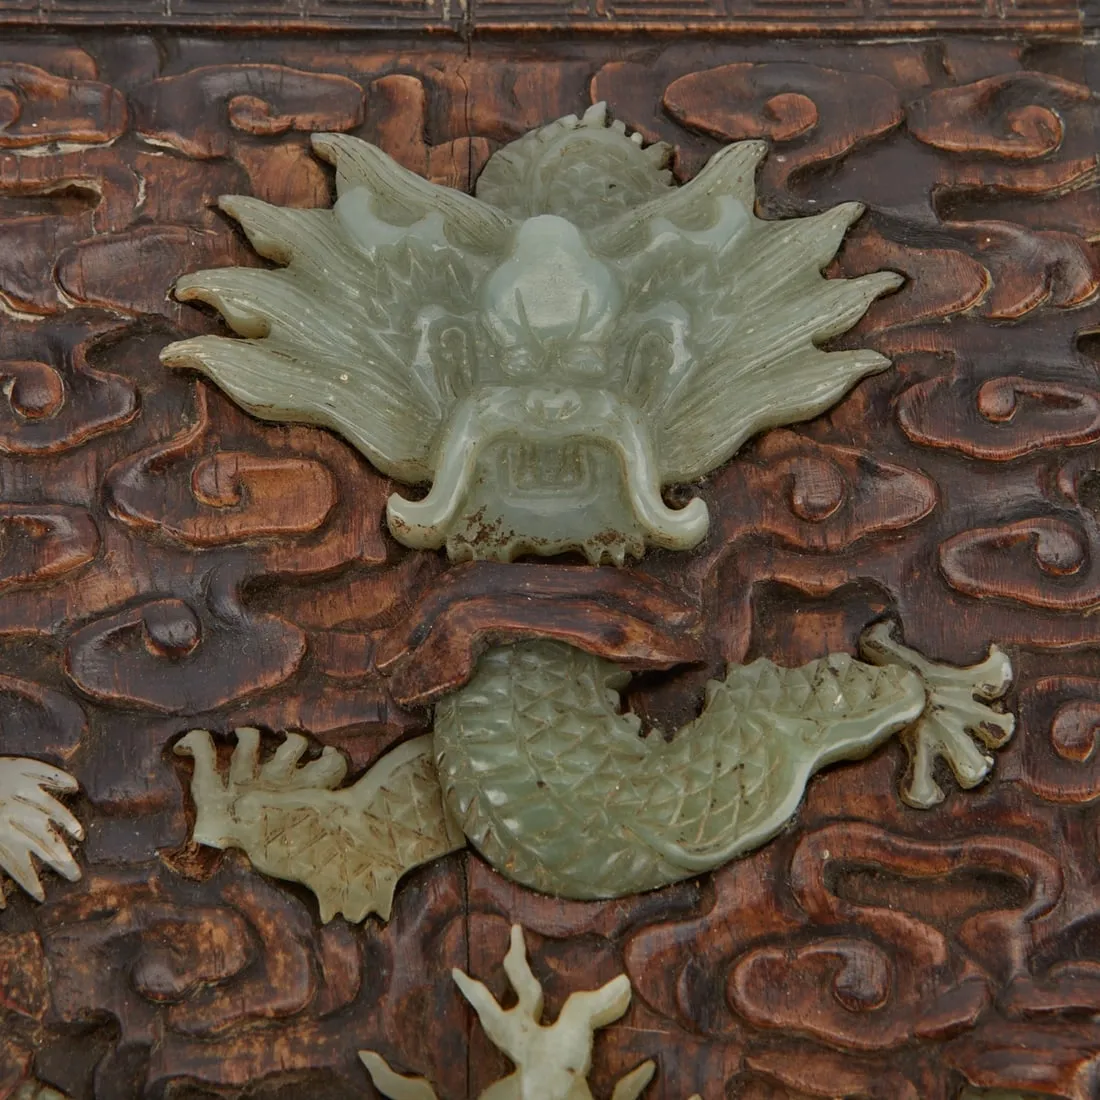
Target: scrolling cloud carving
x,y
548,355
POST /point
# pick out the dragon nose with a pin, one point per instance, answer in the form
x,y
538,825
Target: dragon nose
x,y
553,405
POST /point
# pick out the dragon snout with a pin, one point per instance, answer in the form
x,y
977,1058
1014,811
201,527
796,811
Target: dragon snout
x,y
550,406
564,421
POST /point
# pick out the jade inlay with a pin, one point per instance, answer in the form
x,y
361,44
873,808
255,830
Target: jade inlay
x,y
547,357
34,824
534,762
349,845
552,1060
550,780
550,355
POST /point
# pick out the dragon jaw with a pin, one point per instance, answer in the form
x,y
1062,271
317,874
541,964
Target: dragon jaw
x,y
543,469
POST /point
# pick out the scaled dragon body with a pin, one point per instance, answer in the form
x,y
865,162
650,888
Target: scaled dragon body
x,y
534,762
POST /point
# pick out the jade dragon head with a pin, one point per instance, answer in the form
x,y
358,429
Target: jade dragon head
x,y
547,356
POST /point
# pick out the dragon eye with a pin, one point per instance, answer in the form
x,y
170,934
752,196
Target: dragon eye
x,y
649,362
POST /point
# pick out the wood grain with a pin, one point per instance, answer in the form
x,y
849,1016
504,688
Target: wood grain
x,y
167,562
465,17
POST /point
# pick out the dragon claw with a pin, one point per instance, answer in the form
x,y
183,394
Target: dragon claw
x,y
957,722
244,765
285,771
291,816
34,824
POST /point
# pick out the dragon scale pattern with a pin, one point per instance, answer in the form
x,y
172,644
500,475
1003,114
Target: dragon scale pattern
x,y
536,761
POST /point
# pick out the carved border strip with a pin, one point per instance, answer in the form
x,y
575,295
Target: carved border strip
x,y
814,17
266,15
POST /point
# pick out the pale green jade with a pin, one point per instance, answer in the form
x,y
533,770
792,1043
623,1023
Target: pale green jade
x,y
349,845
35,1090
33,823
534,763
548,355
553,784
552,1060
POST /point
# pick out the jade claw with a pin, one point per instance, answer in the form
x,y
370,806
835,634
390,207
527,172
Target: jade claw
x,y
957,722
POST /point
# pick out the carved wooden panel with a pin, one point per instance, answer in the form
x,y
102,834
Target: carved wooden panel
x,y
168,562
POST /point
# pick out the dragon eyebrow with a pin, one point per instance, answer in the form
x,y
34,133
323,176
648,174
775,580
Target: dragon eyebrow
x,y
468,221
729,172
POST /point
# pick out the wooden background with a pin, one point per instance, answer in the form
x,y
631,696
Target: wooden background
x,y
166,562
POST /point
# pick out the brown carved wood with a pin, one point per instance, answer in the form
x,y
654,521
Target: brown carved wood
x,y
168,562
470,17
